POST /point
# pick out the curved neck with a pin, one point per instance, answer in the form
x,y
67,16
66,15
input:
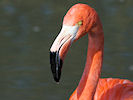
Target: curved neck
x,y
88,83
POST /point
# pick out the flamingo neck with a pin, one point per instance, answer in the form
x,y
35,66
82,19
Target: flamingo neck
x,y
88,83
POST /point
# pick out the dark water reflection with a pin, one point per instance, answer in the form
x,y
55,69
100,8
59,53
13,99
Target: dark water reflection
x,y
27,30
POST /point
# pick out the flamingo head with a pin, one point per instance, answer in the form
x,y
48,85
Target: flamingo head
x,y
77,22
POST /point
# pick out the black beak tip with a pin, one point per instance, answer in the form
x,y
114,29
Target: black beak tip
x,y
56,65
56,79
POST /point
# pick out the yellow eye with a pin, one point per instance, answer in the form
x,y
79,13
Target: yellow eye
x,y
80,23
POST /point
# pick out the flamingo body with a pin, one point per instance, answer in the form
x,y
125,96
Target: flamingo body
x,y
80,20
111,89
114,89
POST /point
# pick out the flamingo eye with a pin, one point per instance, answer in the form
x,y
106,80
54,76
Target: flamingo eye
x,y
80,23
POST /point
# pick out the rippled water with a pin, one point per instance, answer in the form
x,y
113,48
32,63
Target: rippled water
x,y
27,30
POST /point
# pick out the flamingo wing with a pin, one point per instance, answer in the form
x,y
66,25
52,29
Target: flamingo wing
x,y
114,89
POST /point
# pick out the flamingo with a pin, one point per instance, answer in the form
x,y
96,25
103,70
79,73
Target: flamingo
x,y
81,19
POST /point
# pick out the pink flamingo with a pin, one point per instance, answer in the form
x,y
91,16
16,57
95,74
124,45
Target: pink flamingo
x,y
80,20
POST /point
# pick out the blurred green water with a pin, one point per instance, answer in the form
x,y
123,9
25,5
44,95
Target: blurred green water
x,y
27,30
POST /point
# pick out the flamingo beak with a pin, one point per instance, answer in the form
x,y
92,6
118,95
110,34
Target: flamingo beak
x,y
59,49
56,65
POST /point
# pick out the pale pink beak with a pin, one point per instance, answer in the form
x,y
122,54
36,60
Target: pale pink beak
x,y
59,49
